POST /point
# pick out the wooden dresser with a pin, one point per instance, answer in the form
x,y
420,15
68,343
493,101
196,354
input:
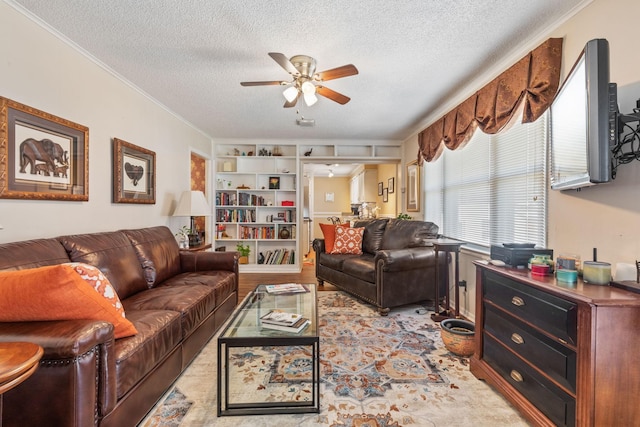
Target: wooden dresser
x,y
564,355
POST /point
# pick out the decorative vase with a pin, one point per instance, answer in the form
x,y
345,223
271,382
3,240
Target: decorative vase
x,y
458,336
284,233
243,260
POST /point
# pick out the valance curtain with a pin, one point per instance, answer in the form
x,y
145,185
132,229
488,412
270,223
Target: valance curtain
x,y
533,82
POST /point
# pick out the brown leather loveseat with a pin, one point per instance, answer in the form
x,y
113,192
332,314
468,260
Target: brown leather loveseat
x,y
176,300
397,265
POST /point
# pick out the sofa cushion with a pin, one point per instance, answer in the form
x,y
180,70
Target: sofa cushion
x,y
363,267
113,254
401,234
222,282
159,333
32,254
157,251
348,241
333,261
373,232
61,292
193,302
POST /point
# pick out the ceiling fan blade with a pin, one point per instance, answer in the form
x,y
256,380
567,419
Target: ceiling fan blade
x,y
336,73
284,62
269,83
332,95
293,103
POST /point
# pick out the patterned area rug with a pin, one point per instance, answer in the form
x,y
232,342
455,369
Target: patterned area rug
x,y
375,371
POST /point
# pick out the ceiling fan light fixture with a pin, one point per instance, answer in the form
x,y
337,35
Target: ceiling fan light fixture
x,y
308,88
302,69
290,93
310,99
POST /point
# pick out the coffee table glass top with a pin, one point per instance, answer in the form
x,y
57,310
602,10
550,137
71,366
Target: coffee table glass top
x,y
259,302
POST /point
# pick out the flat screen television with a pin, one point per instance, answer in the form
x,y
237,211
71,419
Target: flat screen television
x,y
584,122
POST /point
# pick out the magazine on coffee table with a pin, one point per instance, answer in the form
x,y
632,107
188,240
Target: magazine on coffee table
x,y
281,318
295,328
286,288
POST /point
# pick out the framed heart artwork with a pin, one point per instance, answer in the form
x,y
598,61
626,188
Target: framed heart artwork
x,y
134,173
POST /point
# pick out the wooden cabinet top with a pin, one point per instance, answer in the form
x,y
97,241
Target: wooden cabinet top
x,y
579,292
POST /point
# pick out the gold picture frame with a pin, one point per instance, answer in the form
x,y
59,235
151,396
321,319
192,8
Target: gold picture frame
x,y
413,187
134,173
42,156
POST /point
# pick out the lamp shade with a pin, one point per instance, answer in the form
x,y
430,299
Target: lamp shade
x,y
192,203
290,93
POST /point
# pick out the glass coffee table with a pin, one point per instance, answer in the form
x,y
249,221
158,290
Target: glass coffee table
x,y
265,371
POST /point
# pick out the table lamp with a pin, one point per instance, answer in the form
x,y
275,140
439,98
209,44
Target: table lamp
x,y
193,204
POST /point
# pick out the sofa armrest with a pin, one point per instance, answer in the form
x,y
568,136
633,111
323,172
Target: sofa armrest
x,y
405,259
191,262
60,339
78,354
318,245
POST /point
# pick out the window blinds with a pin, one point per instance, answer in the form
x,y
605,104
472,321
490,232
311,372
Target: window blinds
x,y
494,190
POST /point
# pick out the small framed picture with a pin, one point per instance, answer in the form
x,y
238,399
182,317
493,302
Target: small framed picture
x,y
392,185
274,183
42,156
385,195
380,187
134,173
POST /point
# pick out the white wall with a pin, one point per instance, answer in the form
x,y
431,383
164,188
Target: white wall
x,y
606,216
42,71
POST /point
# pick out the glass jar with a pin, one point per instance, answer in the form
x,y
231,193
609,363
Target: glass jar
x,y
541,259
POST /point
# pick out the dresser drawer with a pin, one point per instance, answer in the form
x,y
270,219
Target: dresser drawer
x,y
556,360
557,405
548,312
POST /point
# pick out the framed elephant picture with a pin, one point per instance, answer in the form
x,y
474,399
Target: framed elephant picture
x,y
134,173
42,156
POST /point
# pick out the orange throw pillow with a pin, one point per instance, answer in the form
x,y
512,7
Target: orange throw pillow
x,y
61,292
348,241
329,233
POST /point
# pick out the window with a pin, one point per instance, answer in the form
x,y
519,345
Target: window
x,y
494,190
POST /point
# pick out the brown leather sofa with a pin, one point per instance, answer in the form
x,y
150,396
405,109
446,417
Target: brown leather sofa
x,y
397,265
176,300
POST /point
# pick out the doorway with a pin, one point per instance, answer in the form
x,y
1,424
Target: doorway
x,y
199,171
335,190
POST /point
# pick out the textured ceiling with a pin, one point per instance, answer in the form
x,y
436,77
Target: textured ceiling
x,y
191,55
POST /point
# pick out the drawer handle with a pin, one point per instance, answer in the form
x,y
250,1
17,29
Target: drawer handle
x,y
517,338
517,377
517,301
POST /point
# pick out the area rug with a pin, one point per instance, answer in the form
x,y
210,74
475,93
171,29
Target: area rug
x,y
375,371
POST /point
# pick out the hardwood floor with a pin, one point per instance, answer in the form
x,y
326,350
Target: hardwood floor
x,y
248,281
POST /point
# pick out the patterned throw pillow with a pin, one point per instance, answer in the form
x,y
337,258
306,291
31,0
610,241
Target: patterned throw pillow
x,y
348,241
61,292
94,277
329,233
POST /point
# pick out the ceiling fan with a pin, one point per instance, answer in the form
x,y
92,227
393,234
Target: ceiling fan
x,y
306,82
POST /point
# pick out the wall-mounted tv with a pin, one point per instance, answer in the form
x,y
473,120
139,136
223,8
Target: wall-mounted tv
x,y
584,122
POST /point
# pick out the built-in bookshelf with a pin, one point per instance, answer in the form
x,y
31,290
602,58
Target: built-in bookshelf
x,y
256,197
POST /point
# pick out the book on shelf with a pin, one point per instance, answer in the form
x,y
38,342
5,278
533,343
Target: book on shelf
x,y
302,323
286,288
